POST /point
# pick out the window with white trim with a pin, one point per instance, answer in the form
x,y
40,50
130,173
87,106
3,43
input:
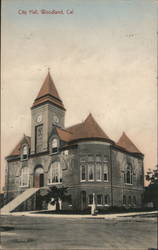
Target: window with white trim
x,y
90,172
24,154
90,158
99,199
95,168
107,199
98,158
98,171
24,177
54,146
90,199
105,171
129,174
82,172
83,158
105,158
55,173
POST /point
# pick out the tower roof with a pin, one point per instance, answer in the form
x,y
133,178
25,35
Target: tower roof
x,y
87,129
48,93
127,144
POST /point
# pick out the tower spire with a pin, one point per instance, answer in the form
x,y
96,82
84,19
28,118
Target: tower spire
x,y
48,93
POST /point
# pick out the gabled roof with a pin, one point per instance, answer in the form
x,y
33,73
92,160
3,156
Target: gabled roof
x,y
48,93
127,144
63,134
16,150
87,129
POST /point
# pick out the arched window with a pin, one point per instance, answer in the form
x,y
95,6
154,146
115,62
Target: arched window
x,y
24,178
54,145
24,154
55,173
107,199
124,200
129,174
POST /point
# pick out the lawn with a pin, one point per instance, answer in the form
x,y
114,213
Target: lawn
x,y
23,232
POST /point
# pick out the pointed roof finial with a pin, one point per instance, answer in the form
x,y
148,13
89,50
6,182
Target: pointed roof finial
x,y
48,69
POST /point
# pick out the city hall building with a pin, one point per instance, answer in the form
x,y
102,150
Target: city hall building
x,y
82,158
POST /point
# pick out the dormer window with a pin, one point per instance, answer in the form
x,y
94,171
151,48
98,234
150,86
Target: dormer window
x,y
24,154
54,148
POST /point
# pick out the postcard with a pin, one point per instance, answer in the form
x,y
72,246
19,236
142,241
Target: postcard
x,y
79,155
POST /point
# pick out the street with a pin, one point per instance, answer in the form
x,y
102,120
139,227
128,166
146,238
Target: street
x,y
24,232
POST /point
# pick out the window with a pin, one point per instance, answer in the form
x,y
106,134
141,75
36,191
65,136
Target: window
x,y
105,158
93,168
105,167
124,200
134,200
99,199
129,200
107,199
129,174
39,138
83,159
54,146
83,173
90,199
98,171
24,155
55,173
24,178
69,199
91,172
66,152
90,158
98,158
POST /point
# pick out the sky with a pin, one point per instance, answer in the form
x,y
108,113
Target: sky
x,y
102,57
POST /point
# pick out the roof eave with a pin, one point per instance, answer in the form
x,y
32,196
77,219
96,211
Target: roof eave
x,y
12,157
40,104
125,150
92,139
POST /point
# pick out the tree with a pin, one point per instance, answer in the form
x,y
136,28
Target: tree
x,y
151,191
57,193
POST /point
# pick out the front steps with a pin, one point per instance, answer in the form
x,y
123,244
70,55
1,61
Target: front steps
x,y
17,201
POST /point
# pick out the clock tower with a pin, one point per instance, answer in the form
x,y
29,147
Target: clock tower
x,y
47,110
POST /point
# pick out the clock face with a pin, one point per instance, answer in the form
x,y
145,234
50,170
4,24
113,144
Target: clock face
x,y
55,119
39,118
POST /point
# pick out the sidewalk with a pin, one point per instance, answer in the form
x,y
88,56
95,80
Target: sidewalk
x,y
79,216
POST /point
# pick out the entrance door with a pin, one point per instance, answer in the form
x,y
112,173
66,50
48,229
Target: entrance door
x,y
41,180
38,177
83,200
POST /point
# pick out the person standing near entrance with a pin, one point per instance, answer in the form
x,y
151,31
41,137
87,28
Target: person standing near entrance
x,y
93,207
